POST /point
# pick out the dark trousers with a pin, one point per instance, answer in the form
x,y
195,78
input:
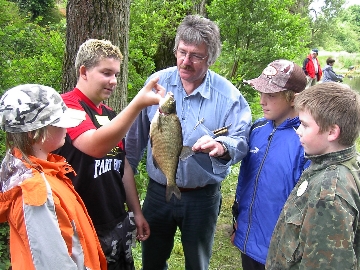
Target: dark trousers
x,y
250,264
195,215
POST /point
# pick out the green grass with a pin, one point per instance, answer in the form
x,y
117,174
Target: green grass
x,y
225,256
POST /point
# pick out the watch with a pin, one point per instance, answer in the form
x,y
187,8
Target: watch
x,y
225,149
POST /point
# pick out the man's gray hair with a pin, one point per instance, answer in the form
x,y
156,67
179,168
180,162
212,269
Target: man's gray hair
x,y
196,29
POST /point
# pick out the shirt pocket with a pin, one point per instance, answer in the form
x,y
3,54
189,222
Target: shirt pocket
x,y
290,247
196,133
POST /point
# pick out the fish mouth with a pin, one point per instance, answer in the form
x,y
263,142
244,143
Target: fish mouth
x,y
166,98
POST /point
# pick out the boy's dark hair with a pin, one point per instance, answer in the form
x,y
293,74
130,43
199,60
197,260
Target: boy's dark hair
x,y
332,104
330,61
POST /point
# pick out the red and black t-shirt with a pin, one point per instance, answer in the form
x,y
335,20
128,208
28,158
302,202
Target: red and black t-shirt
x,y
98,180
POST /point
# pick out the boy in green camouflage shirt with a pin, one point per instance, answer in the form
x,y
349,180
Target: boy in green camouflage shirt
x,y
319,226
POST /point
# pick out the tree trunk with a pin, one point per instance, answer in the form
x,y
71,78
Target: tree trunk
x,y
200,7
100,19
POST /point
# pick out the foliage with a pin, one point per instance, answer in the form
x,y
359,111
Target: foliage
x,y
259,33
346,31
141,179
35,7
322,21
150,22
4,246
30,53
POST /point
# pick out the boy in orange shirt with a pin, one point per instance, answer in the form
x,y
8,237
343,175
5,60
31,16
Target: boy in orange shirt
x,y
49,224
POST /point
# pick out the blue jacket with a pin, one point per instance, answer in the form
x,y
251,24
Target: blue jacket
x,y
330,75
267,175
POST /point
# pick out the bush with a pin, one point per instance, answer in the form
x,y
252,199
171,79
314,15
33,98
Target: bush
x,y
31,54
4,246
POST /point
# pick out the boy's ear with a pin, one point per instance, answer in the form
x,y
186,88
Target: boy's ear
x,y
293,100
82,71
334,133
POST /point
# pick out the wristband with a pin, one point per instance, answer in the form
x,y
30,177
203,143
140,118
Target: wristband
x,y
225,149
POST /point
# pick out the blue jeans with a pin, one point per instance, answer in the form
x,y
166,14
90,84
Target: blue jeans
x,y
196,216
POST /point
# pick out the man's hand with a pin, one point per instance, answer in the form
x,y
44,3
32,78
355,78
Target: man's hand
x,y
207,144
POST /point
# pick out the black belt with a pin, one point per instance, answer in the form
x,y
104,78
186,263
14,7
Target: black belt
x,y
182,189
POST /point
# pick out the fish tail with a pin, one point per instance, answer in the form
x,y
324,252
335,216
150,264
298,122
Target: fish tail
x,y
170,190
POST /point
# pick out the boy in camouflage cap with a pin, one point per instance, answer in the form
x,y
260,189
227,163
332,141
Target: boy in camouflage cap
x,y
319,227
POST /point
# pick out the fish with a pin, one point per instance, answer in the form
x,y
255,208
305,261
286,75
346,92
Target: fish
x,y
166,142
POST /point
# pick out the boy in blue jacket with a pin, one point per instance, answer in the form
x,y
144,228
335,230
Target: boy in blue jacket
x,y
273,164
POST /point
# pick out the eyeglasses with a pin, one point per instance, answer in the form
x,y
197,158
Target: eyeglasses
x,y
193,58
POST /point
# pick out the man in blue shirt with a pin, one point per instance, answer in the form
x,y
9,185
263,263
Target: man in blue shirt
x,y
205,101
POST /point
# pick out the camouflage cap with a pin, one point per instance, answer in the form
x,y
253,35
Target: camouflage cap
x,y
278,76
31,106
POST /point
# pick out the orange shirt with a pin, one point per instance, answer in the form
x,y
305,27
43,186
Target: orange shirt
x,y
49,224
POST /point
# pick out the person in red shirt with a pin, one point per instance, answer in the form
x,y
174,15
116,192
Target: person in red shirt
x,y
312,68
95,148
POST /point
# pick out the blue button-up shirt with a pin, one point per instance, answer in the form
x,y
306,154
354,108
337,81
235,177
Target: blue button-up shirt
x,y
219,104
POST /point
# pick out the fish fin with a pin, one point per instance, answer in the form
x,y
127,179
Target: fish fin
x,y
186,152
170,190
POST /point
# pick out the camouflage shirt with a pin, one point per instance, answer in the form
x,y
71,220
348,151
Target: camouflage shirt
x,y
318,227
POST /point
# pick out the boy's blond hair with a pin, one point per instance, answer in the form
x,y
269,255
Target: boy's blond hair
x,y
331,104
24,141
289,95
92,51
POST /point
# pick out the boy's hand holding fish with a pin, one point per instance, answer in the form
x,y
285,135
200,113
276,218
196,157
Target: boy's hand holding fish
x,y
147,97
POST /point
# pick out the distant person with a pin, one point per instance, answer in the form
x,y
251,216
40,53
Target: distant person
x,y
273,164
205,102
311,68
49,225
95,149
329,73
319,226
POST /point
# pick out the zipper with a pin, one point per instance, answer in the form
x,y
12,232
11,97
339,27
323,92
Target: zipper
x,y
255,187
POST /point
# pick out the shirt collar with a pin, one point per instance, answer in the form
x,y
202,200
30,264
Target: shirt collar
x,y
203,89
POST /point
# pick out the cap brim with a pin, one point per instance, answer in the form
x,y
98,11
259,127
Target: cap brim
x,y
70,118
264,85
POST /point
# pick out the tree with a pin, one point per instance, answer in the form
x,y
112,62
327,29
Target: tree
x,y
36,7
345,32
100,19
153,27
254,33
29,53
322,21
